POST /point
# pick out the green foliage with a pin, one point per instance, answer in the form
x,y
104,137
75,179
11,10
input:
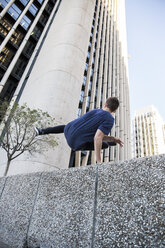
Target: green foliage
x,y
19,132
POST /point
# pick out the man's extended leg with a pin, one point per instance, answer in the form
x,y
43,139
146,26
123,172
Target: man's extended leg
x,y
49,130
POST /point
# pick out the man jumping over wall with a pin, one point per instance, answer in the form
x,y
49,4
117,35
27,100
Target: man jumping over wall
x,y
90,131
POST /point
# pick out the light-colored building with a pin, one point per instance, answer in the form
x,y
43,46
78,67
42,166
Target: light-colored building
x,y
66,57
148,129
164,132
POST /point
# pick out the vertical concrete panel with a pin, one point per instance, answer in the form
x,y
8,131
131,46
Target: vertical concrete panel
x,y
55,81
3,161
2,184
130,204
16,206
63,214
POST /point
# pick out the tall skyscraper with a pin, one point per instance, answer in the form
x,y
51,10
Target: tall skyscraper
x,y
66,57
149,136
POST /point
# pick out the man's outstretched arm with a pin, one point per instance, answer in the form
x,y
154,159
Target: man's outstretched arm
x,y
98,139
113,139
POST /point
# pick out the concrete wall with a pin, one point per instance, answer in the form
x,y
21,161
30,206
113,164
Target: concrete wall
x,y
109,205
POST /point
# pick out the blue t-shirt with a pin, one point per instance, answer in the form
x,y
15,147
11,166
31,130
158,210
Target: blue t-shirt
x,y
82,130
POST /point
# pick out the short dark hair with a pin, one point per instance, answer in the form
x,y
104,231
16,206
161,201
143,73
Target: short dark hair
x,y
112,103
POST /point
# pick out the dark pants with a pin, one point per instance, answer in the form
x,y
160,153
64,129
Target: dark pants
x,y
89,146
56,129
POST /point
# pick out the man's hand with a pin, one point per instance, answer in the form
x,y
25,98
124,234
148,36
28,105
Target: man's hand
x,y
118,141
113,139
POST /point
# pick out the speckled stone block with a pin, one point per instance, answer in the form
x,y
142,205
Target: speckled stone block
x,y
63,214
16,206
156,161
130,201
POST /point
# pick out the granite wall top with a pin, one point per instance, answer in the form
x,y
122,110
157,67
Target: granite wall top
x,y
101,206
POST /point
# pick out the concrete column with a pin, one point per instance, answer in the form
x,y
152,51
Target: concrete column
x,y
98,55
55,82
110,59
112,154
104,95
149,137
77,159
96,61
121,106
125,118
117,127
102,51
105,83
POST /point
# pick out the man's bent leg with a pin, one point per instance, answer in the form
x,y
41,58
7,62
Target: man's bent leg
x,y
112,143
89,146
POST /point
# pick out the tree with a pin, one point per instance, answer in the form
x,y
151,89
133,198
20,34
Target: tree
x,y
18,134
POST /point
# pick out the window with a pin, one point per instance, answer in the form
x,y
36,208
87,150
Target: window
x,y
6,57
84,80
29,48
37,32
14,11
88,101
33,9
79,112
81,96
91,74
20,67
90,85
3,3
43,19
16,38
49,8
40,1
24,2
5,27
25,22
9,89
86,66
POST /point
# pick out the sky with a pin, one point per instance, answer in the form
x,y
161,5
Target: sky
x,y
146,48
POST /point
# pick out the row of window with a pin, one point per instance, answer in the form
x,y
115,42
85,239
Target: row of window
x,y
17,37
3,3
15,12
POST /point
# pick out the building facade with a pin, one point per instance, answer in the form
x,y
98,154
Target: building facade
x,y
66,57
148,129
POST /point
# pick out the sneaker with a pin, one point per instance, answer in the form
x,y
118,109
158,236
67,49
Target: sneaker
x,y
37,131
